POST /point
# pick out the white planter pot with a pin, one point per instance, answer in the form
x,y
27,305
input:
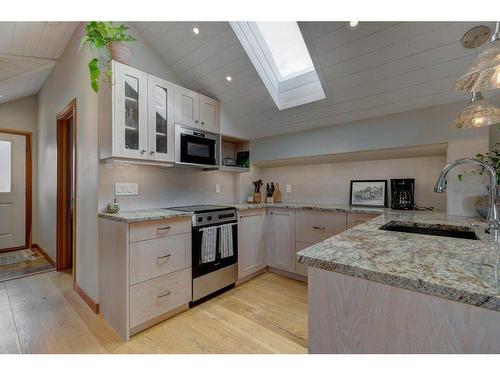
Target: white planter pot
x,y
120,52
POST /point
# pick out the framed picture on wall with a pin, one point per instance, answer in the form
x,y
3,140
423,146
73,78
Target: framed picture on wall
x,y
371,193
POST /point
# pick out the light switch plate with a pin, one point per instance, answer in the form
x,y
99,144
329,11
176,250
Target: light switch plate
x,y
126,188
217,188
288,188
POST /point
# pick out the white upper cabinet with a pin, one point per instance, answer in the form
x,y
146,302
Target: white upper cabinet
x,y
187,107
196,110
209,114
130,126
138,113
160,119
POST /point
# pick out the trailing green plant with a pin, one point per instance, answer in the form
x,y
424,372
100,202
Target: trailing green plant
x,y
98,35
492,157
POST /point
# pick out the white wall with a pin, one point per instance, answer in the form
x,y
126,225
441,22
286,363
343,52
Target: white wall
x,y
69,80
330,183
412,128
22,114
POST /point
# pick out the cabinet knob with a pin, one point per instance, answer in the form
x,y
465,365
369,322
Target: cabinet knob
x,y
143,151
151,152
195,121
203,123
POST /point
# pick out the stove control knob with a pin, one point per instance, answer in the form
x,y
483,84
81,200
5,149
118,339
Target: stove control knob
x,y
199,220
221,216
209,218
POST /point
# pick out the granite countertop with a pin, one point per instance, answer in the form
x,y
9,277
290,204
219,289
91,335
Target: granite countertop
x,y
136,216
463,270
311,206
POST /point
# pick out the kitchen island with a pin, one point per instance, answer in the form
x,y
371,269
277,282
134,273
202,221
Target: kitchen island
x,y
377,291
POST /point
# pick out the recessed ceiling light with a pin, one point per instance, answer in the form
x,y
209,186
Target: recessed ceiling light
x,y
196,30
229,78
353,25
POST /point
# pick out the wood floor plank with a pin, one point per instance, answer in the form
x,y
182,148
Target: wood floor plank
x,y
265,315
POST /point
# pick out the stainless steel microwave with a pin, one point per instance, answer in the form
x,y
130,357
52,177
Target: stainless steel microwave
x,y
196,147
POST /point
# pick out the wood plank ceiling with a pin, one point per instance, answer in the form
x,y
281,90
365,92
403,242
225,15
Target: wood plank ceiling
x,y
28,52
378,69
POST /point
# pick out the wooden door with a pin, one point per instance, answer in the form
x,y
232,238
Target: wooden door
x,y
282,239
131,112
12,191
160,119
209,114
187,107
251,242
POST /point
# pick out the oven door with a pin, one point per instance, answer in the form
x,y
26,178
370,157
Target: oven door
x,y
197,148
199,268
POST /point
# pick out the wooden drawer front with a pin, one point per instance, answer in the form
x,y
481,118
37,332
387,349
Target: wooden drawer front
x,y
159,256
354,219
301,268
159,228
316,226
158,296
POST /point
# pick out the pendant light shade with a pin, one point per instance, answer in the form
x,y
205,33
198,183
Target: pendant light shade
x,y
479,113
484,73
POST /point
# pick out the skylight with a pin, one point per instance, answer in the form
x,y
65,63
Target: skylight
x,y
280,56
287,48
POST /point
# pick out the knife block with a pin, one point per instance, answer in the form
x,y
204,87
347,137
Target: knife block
x,y
257,197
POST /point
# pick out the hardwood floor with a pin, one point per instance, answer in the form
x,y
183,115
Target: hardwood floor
x,y
43,314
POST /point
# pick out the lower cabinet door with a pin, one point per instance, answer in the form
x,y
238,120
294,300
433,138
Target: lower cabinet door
x,y
158,296
251,242
282,239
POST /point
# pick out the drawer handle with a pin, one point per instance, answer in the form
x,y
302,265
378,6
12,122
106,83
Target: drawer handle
x,y
164,228
163,256
166,294
318,227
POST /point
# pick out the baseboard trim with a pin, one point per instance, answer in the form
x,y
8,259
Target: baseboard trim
x,y
44,254
251,276
288,274
9,249
94,306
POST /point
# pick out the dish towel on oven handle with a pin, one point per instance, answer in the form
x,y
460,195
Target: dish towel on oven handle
x,y
226,241
208,244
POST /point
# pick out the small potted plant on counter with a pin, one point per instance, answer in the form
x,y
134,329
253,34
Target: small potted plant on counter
x,y
111,38
492,157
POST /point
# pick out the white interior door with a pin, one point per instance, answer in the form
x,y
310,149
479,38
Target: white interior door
x,y
12,190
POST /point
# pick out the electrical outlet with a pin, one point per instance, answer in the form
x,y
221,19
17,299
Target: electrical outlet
x,y
288,188
126,188
217,188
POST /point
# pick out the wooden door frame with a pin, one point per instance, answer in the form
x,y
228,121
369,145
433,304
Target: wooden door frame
x,y
62,117
28,188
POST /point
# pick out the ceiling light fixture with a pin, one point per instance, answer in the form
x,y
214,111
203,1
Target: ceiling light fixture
x,y
229,78
196,30
353,25
479,113
484,73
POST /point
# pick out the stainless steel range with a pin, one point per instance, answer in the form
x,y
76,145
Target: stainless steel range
x,y
216,268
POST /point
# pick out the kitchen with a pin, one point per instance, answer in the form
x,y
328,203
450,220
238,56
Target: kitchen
x,y
212,208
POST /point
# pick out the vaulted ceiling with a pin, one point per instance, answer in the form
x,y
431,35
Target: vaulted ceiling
x,y
28,52
378,69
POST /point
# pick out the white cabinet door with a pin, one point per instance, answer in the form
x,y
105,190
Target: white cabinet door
x,y
209,114
187,107
251,242
282,239
160,119
131,112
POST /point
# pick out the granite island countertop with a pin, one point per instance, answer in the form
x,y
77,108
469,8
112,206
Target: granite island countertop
x,y
457,269
136,216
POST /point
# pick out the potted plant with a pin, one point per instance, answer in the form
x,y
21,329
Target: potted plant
x,y
105,35
492,157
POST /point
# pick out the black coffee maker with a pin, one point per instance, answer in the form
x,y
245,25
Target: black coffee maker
x,y
403,193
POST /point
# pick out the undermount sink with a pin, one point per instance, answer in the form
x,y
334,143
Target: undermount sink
x,y
454,231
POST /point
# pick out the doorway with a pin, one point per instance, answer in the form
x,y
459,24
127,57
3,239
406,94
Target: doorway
x,y
15,190
66,189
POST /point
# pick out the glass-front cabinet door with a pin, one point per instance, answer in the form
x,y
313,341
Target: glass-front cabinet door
x,y
131,97
160,119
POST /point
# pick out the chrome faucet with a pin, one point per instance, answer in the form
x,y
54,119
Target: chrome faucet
x,y
493,216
